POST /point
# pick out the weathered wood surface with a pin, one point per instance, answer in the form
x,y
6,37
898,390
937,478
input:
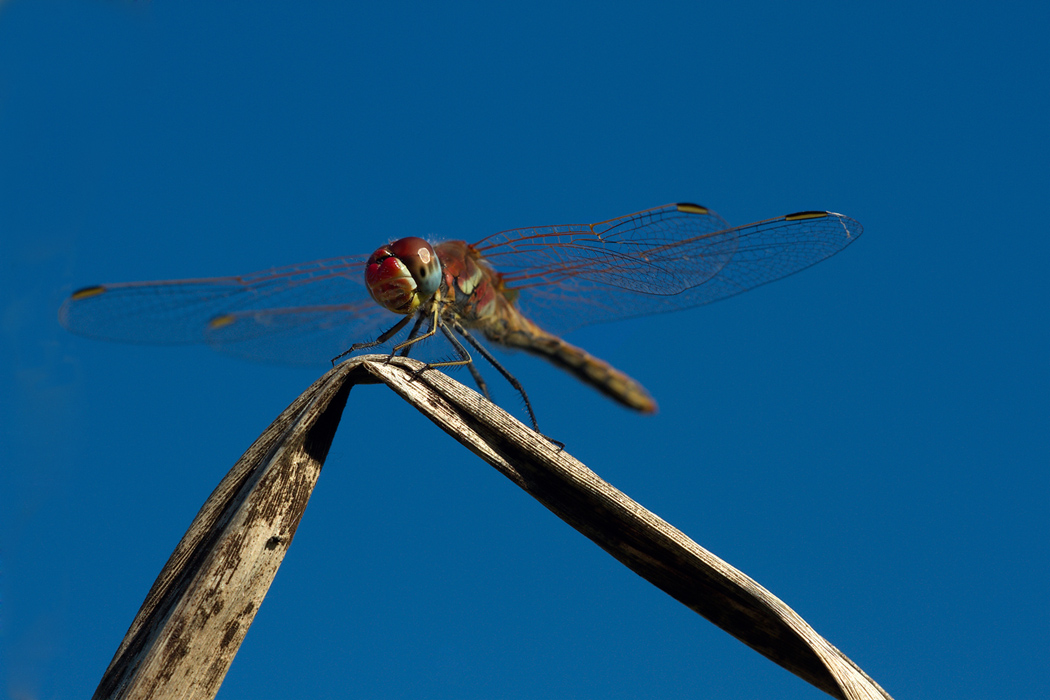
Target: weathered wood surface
x,y
198,611
185,635
639,539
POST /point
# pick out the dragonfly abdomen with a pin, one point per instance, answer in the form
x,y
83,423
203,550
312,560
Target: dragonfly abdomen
x,y
585,367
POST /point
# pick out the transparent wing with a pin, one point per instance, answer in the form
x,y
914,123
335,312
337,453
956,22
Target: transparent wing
x,y
659,260
301,314
654,261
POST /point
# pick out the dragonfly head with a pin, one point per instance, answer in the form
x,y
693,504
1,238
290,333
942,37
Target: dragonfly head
x,y
403,275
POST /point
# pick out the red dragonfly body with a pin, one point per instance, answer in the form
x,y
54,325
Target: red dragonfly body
x,y
519,289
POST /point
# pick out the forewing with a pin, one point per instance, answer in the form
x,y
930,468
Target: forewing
x,y
630,252
659,260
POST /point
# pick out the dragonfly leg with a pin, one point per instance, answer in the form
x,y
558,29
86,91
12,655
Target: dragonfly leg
x,y
464,356
435,321
462,352
420,318
506,375
479,380
387,335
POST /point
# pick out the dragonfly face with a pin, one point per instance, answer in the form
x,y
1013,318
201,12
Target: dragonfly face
x,y
403,275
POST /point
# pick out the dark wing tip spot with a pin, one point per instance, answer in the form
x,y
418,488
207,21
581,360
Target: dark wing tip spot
x,y
221,320
799,216
691,208
87,292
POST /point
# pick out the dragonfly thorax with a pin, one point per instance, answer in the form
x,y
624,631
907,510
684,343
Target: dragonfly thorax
x,y
403,275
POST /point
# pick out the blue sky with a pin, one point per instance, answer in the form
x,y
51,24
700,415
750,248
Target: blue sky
x,y
868,439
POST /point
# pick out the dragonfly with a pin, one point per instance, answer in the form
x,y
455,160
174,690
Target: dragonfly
x,y
521,289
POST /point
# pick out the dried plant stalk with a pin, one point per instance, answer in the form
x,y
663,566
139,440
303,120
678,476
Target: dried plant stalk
x,y
187,632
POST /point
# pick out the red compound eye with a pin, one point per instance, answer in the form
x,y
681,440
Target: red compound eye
x,y
403,275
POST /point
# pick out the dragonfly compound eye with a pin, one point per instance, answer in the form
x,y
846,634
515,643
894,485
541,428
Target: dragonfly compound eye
x,y
403,275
